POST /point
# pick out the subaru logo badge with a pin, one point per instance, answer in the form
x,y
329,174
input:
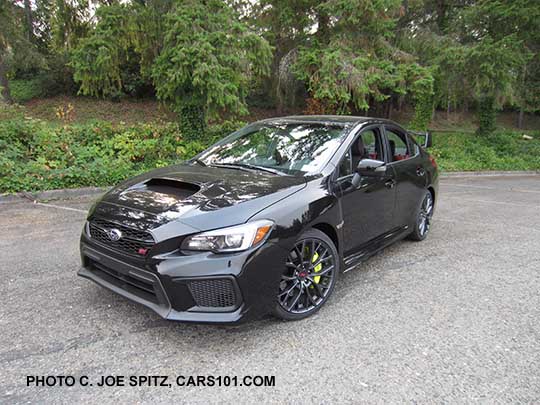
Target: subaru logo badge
x,y
114,234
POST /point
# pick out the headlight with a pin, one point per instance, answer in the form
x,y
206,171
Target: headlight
x,y
233,239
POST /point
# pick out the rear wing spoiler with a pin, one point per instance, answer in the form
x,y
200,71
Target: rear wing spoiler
x,y
424,138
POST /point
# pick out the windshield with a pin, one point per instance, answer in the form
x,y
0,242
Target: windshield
x,y
290,148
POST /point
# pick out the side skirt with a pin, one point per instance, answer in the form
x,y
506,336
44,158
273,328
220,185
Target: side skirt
x,y
374,246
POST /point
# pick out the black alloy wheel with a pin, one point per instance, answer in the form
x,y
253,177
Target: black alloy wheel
x,y
423,218
311,271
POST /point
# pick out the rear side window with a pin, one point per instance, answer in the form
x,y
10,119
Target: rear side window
x,y
399,148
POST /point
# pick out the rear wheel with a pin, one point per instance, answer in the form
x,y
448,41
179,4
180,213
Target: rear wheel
x,y
310,273
423,218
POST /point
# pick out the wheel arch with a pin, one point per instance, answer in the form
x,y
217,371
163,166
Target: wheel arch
x,y
432,191
329,231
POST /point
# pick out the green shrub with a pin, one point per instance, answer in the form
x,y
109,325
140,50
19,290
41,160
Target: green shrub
x,y
487,116
44,84
24,90
37,155
499,151
193,121
217,131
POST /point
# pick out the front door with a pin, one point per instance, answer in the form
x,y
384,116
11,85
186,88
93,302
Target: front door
x,y
368,208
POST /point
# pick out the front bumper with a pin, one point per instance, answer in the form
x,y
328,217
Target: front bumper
x,y
203,288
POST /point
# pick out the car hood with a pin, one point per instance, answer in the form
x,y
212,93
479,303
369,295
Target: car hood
x,y
199,198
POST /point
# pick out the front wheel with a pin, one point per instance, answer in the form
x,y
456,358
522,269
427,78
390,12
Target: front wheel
x,y
310,273
423,218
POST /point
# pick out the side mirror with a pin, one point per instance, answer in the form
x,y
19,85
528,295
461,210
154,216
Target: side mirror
x,y
424,138
428,141
368,168
371,167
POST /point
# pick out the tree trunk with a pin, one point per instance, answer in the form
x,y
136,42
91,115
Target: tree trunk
x,y
193,121
273,85
4,84
401,100
323,22
29,21
442,9
405,6
403,17
520,118
487,115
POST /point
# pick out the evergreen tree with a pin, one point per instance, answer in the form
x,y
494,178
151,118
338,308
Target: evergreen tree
x,y
208,58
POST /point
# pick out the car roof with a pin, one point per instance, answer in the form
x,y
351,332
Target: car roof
x,y
345,120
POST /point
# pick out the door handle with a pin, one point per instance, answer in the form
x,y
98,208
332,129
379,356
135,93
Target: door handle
x,y
390,183
420,171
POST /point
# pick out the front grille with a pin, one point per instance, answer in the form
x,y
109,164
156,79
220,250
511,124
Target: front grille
x,y
133,241
215,293
144,289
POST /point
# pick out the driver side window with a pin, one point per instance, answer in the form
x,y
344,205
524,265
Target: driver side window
x,y
366,146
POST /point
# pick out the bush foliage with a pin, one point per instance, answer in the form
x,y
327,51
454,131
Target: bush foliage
x,y
43,85
505,150
24,90
40,156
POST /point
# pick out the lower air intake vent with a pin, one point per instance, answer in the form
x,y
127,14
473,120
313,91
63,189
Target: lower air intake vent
x,y
214,293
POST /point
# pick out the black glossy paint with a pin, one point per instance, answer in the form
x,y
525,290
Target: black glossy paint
x,y
174,202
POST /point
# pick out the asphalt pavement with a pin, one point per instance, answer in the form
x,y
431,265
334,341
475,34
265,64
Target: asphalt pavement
x,y
453,319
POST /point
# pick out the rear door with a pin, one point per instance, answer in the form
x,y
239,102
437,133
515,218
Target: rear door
x,y
410,174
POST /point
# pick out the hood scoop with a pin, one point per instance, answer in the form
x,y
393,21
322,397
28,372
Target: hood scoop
x,y
166,197
174,188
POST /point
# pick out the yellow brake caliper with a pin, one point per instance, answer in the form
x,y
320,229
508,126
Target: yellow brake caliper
x,y
317,267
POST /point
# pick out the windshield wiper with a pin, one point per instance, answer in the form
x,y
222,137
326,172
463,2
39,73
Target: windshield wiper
x,y
231,166
199,161
251,168
264,169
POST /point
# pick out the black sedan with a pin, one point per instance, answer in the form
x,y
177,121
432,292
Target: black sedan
x,y
263,221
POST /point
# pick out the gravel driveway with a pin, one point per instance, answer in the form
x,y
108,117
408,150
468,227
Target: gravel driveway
x,y
454,319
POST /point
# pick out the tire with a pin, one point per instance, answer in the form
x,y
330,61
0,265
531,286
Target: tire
x,y
423,217
301,291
